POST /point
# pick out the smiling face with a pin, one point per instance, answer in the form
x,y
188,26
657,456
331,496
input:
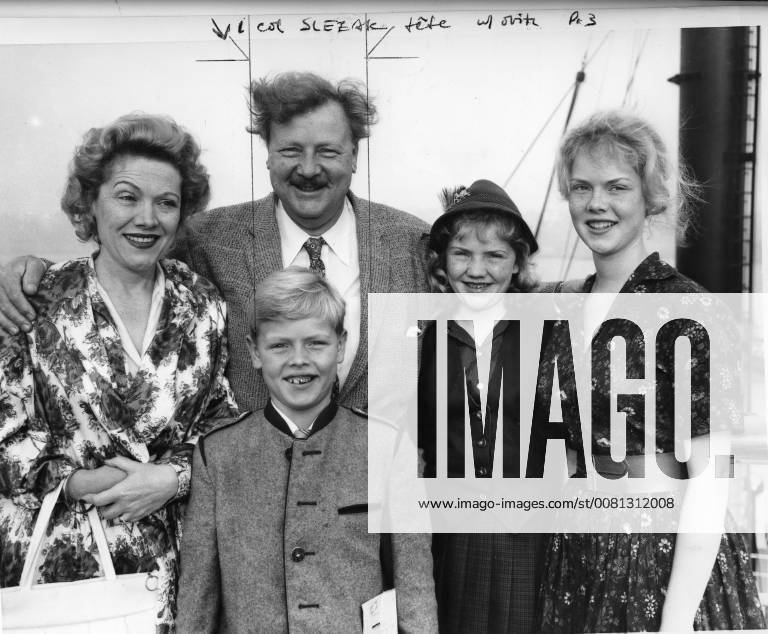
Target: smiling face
x,y
298,360
607,205
478,261
311,161
137,212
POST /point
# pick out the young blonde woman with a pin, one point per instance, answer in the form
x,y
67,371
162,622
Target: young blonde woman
x,y
613,171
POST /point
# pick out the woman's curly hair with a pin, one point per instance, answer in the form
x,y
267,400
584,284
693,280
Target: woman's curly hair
x,y
137,134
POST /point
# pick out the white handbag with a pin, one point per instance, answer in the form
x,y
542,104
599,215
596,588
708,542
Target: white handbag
x,y
120,604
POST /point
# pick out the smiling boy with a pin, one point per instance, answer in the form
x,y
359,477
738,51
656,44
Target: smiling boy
x,y
276,536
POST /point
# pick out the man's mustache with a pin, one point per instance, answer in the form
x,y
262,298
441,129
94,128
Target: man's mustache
x,y
315,182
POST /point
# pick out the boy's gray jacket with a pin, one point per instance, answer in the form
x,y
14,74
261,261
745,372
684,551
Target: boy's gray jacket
x,y
276,536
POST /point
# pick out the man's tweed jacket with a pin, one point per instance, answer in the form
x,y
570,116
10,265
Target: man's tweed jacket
x,y
276,534
236,247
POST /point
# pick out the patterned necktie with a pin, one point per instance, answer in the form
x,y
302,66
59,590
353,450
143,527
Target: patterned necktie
x,y
301,434
314,247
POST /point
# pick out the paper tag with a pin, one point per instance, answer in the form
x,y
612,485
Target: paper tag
x,y
380,614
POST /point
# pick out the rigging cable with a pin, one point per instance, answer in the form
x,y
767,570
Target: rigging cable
x,y
631,80
536,138
584,63
580,76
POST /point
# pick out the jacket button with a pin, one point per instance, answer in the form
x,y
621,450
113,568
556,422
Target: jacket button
x,y
482,472
481,443
297,554
289,453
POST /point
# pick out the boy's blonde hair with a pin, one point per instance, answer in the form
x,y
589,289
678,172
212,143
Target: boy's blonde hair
x,y
297,293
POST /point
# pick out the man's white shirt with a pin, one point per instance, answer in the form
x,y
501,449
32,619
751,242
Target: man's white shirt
x,y
342,267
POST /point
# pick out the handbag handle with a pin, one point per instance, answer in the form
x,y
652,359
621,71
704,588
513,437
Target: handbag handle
x,y
41,524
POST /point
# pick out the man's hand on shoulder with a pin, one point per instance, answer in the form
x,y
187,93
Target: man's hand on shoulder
x,y
18,278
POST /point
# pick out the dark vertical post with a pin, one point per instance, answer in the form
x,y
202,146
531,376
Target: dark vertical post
x,y
713,96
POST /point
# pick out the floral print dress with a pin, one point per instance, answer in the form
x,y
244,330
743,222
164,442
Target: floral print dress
x,y
66,401
617,582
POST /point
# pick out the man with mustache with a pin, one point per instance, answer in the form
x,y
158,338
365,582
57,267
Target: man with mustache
x,y
312,129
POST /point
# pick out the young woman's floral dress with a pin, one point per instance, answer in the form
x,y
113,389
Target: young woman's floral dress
x,y
66,401
616,582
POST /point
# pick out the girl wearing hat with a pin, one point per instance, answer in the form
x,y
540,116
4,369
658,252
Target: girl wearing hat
x,y
481,244
613,171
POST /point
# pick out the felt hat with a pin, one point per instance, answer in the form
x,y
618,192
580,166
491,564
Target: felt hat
x,y
482,195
